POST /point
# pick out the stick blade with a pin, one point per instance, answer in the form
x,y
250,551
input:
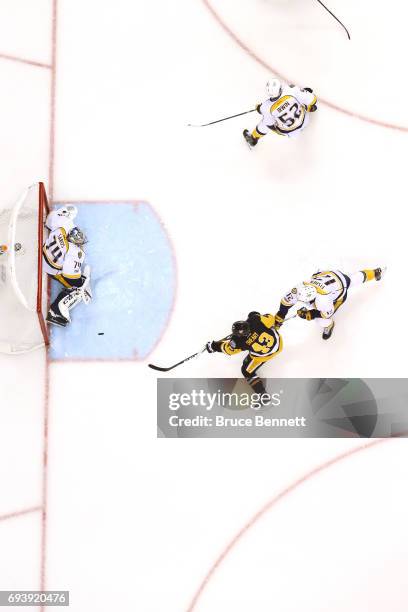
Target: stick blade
x,y
158,368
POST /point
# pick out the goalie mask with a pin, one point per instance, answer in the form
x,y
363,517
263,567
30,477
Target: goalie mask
x,y
77,236
241,329
306,293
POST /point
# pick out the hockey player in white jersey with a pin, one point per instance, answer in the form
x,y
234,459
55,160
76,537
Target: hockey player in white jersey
x,y
323,295
286,112
63,259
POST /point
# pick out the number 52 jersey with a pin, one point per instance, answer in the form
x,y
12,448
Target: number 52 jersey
x,y
289,113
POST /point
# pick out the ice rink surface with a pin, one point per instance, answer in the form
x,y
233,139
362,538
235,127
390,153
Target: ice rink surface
x,y
135,276
96,101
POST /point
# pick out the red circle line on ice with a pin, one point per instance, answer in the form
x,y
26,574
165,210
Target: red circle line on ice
x,y
264,63
271,504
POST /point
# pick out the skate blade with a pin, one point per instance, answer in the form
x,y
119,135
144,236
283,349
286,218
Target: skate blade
x,y
52,322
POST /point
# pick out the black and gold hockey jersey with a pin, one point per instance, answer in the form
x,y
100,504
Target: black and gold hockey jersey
x,y
262,341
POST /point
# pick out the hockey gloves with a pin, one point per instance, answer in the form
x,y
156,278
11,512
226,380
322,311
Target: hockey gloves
x,y
209,346
303,313
278,321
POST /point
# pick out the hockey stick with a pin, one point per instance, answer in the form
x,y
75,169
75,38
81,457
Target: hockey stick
x,y
159,369
184,360
289,318
154,367
219,120
338,20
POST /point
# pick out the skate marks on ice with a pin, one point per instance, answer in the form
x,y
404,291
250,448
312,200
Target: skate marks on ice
x,y
134,278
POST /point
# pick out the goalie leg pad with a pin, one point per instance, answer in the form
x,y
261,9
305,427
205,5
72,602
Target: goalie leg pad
x,y
86,287
67,299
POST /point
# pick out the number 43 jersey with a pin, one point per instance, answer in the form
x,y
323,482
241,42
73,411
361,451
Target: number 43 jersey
x,y
289,113
263,340
62,259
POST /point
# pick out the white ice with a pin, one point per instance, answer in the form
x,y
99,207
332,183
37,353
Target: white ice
x,y
134,523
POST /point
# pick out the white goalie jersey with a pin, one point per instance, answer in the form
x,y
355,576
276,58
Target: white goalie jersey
x,y
62,259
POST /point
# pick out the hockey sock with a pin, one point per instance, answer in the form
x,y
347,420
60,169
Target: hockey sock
x,y
368,275
257,135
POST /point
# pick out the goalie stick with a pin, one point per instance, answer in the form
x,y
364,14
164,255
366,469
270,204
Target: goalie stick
x,y
204,350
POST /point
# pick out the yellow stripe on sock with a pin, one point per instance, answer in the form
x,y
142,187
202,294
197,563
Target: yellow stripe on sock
x,y
369,274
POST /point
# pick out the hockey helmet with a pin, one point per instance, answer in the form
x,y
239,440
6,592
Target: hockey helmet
x,y
274,88
241,329
306,293
77,236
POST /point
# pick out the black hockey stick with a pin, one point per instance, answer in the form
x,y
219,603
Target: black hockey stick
x,y
154,367
289,318
159,369
336,18
219,120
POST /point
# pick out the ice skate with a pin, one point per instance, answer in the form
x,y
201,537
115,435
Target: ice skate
x,y
252,142
327,332
379,273
56,319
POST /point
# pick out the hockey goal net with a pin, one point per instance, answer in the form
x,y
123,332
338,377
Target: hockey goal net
x,y
23,285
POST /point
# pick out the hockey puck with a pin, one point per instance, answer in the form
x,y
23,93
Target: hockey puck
x,y
101,333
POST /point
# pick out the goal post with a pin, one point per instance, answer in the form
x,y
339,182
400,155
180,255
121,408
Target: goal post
x,y
23,284
42,285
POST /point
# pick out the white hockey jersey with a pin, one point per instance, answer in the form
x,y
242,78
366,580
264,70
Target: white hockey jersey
x,y
289,112
62,259
62,217
331,287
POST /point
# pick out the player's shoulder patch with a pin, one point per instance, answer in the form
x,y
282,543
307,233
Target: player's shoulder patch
x,y
290,298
